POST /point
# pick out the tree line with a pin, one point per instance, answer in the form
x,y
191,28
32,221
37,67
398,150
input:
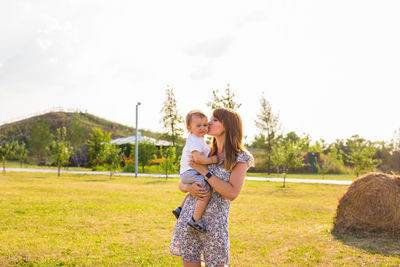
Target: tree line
x,y
287,152
278,152
274,150
68,146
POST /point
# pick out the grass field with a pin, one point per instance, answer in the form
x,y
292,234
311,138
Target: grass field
x,y
155,169
347,177
15,164
87,220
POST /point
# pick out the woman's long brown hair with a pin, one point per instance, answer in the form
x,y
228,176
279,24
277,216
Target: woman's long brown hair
x,y
232,123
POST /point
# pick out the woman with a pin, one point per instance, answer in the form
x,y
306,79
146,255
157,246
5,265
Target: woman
x,y
226,180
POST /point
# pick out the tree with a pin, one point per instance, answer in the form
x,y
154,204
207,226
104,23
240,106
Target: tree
x,y
61,149
225,100
6,151
286,153
259,142
396,140
278,155
76,136
40,139
361,154
96,146
303,143
169,161
267,123
20,152
388,153
112,157
171,120
323,168
292,157
331,162
334,154
342,150
147,151
322,146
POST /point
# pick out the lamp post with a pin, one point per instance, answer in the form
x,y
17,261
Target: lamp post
x,y
136,141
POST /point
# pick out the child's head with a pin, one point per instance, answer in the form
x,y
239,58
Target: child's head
x,y
197,123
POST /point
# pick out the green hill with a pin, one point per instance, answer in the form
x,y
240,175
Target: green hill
x,y
21,130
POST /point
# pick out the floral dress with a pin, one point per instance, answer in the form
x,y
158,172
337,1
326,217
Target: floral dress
x,y
212,246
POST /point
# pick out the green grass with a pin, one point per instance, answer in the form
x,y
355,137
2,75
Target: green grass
x,y
87,220
156,169
15,164
348,177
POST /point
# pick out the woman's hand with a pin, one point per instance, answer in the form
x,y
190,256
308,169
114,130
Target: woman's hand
x,y
199,192
202,169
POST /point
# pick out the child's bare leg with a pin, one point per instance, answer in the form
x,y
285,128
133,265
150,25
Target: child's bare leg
x,y
201,207
183,201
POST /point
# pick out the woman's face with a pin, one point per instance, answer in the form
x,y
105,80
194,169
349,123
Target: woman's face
x,y
215,127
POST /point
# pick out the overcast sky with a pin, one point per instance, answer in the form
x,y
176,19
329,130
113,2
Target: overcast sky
x,y
328,68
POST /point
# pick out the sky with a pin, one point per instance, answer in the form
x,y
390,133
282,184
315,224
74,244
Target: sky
x,y
329,69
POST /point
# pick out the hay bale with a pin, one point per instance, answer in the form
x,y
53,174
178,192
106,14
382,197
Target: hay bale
x,y
371,204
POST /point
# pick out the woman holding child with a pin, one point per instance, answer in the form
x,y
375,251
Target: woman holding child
x,y
226,180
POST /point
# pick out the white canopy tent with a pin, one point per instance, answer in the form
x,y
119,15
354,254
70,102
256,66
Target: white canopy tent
x,y
132,140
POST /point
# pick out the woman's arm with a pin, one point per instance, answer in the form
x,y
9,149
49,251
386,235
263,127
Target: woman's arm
x,y
195,189
231,189
201,159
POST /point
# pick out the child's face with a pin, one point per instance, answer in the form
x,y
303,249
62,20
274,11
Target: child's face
x,y
198,126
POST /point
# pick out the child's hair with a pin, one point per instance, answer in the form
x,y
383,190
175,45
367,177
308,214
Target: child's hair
x,y
192,113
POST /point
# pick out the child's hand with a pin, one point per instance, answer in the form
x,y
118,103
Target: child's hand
x,y
214,159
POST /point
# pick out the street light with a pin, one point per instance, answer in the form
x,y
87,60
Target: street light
x,y
136,141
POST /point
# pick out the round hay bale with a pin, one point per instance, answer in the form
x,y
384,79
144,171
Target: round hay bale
x,y
371,204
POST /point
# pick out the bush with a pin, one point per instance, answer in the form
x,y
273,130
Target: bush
x,y
156,161
129,167
100,168
148,169
333,165
260,162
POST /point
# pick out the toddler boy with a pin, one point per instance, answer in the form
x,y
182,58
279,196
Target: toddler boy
x,y
196,149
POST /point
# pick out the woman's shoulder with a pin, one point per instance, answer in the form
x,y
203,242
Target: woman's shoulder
x,y
246,157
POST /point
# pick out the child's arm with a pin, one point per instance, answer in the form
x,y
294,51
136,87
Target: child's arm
x,y
199,157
